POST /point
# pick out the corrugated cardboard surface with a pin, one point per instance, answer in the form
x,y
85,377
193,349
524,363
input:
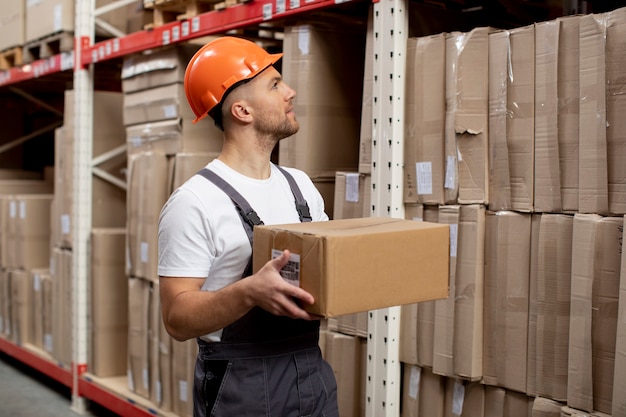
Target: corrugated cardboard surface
x,y
365,138
507,277
38,279
443,336
183,363
353,265
139,298
159,103
547,196
108,303
619,380
62,306
593,176
425,120
47,17
553,305
616,108
467,99
174,136
343,353
21,314
148,189
545,407
469,293
352,195
154,68
511,115
323,62
569,109
33,230
596,258
12,24
531,368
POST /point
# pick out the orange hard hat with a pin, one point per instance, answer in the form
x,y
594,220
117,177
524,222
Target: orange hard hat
x,y
219,65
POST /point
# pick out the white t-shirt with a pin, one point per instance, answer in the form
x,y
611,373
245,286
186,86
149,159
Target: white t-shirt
x,y
200,231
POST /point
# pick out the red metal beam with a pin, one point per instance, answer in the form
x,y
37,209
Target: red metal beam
x,y
37,362
123,406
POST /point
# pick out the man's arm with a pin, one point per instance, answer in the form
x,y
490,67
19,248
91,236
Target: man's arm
x,y
190,312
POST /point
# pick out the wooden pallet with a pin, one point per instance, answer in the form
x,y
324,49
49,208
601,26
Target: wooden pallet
x,y
11,57
166,11
48,46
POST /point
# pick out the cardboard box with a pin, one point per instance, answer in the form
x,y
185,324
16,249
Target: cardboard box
x,y
155,68
569,109
554,270
619,380
148,192
47,17
367,118
139,298
615,33
425,120
596,260
352,195
511,119
593,193
108,303
12,24
545,407
547,171
324,63
507,278
467,114
174,136
159,103
353,265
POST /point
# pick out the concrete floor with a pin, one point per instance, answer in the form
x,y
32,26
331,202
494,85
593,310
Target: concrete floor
x,y
25,392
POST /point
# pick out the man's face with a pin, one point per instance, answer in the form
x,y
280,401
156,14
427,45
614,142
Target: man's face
x,y
272,101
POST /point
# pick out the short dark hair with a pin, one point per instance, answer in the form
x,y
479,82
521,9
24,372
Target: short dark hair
x,y
216,111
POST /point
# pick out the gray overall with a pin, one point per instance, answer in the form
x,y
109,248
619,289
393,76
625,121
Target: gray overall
x,y
265,365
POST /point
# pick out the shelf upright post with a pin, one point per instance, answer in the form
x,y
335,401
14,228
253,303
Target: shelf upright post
x,y
389,46
82,193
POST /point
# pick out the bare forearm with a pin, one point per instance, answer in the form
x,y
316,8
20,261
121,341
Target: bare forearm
x,y
196,313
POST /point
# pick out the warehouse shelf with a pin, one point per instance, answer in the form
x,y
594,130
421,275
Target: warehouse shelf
x,y
38,360
242,15
113,393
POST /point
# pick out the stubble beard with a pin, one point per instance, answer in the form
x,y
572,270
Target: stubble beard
x,y
273,132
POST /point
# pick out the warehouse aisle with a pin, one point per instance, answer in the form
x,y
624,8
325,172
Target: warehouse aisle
x,y
25,392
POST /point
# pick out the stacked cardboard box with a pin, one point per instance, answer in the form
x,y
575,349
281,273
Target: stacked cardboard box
x,y
548,226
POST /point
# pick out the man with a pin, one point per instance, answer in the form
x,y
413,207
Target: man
x,y
258,348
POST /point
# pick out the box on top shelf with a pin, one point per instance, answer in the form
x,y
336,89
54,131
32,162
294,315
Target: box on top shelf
x,y
324,63
361,264
12,24
154,68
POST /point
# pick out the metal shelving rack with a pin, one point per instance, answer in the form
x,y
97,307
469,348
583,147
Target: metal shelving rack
x,y
390,36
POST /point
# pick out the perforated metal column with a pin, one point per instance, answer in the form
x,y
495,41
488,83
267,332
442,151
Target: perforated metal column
x,y
82,192
389,45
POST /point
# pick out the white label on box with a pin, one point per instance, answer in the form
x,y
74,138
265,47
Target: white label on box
x,y
169,111
146,378
352,187
22,210
454,232
450,172
159,395
36,282
58,17
424,175
131,383
12,209
414,381
47,342
418,219
291,271
280,6
144,252
182,388
304,41
65,224
31,3
458,396
267,11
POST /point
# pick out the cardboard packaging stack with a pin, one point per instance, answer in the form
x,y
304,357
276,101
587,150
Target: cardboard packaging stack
x,y
533,195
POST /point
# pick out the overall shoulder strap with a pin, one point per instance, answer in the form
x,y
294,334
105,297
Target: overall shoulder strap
x,y
301,205
249,217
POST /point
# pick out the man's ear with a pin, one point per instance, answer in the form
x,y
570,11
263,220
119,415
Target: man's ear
x,y
240,111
